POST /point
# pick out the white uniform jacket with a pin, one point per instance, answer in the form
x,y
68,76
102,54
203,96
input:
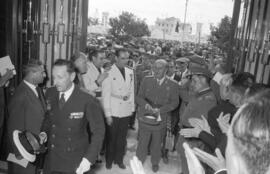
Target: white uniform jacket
x,y
90,77
118,93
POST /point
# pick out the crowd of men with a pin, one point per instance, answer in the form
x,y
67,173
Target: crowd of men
x,y
179,94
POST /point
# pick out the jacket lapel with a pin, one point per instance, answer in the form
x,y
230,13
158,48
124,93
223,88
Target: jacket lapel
x,y
33,96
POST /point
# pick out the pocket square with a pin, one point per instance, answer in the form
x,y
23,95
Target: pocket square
x,y
76,115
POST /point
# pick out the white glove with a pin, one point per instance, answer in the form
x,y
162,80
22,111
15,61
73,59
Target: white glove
x,y
83,167
42,137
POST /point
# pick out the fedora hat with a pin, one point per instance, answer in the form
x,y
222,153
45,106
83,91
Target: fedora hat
x,y
28,144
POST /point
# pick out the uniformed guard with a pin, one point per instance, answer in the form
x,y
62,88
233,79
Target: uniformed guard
x,y
70,112
201,102
118,104
157,97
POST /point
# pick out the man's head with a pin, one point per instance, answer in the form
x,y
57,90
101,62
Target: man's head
x,y
80,62
241,82
34,72
171,68
160,68
97,56
182,64
248,146
63,74
224,86
122,57
200,78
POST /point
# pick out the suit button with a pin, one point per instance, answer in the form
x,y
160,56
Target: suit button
x,y
69,139
53,126
69,129
52,146
53,135
68,149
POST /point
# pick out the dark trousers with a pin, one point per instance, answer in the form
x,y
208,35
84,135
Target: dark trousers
x,y
132,119
154,139
17,169
116,140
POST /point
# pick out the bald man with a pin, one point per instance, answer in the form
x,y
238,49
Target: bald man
x,y
157,97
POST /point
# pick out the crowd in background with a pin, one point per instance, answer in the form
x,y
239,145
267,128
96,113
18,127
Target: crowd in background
x,y
181,95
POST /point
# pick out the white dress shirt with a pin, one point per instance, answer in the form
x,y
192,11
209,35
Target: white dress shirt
x,y
31,86
67,93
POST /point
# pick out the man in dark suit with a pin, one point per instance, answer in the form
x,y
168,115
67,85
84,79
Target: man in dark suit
x,y
71,111
26,110
158,95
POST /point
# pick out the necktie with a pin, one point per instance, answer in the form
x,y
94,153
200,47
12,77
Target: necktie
x,y
41,97
62,101
99,70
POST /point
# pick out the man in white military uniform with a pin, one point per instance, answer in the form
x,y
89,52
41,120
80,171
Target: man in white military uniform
x,y
118,103
95,73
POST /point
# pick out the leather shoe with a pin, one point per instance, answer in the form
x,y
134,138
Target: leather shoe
x,y
165,160
121,166
108,166
155,168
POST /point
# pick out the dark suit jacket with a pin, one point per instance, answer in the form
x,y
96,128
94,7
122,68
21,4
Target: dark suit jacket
x,y
68,138
218,139
165,95
25,112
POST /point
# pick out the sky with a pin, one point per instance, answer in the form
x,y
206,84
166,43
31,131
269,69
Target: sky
x,y
204,11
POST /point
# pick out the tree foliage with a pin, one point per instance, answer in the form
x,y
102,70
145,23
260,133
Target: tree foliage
x,y
127,25
220,36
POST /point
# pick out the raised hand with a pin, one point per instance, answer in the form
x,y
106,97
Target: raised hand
x,y
223,122
215,162
194,165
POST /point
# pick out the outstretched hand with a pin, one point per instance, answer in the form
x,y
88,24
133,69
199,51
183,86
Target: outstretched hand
x,y
215,162
194,165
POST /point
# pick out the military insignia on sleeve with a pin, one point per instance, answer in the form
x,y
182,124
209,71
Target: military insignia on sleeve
x,y
76,115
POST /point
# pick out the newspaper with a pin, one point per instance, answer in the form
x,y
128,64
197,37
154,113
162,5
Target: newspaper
x,y
5,63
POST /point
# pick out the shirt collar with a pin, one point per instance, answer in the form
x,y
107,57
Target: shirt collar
x,y
160,81
68,92
172,76
31,86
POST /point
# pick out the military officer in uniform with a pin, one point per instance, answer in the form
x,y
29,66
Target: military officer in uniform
x,y
157,97
70,112
118,104
201,102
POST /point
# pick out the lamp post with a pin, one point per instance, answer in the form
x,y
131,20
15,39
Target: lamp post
x,y
183,34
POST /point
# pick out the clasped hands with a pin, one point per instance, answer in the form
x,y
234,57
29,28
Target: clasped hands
x,y
153,110
150,108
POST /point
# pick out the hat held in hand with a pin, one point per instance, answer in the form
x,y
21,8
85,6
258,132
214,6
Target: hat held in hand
x,y
28,144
